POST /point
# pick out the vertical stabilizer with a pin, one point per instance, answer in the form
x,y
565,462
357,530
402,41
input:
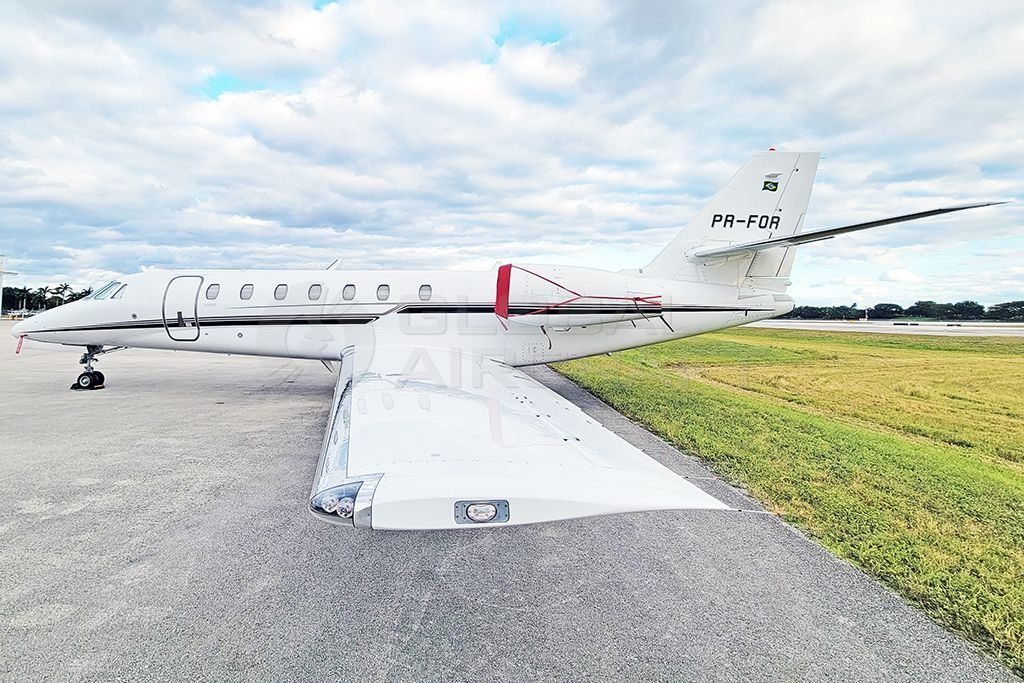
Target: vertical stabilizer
x,y
766,198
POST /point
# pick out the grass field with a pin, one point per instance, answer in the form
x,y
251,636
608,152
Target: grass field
x,y
902,454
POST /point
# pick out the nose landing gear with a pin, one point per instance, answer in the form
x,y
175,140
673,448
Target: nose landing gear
x,y
92,379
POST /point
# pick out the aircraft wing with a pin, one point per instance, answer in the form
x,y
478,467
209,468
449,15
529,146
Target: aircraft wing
x,y
431,439
705,253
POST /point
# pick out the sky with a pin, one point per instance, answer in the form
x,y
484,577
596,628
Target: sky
x,y
214,134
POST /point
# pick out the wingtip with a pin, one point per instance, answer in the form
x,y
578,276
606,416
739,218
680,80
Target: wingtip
x,y
975,205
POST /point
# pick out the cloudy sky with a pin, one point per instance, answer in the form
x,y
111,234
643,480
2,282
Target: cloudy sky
x,y
214,134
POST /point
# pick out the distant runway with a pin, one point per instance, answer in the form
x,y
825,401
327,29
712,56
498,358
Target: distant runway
x,y
967,329
157,530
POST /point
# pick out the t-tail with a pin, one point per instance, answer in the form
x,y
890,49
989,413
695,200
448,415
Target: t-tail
x,y
745,235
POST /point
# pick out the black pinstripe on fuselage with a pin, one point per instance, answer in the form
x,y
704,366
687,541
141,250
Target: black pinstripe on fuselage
x,y
402,309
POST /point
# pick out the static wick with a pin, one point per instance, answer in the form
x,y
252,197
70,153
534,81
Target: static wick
x,y
21,339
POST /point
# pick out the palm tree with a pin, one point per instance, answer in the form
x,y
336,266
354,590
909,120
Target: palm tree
x,y
23,294
41,295
61,291
18,297
75,296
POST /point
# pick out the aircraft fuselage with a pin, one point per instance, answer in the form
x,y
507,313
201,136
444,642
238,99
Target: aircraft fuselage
x,y
317,314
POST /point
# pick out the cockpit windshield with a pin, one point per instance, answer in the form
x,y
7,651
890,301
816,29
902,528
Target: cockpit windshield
x,y
106,290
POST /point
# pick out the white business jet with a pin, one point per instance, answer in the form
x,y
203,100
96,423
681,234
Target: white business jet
x,y
432,425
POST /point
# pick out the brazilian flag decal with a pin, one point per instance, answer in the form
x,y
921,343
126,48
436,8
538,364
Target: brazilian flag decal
x,y
770,185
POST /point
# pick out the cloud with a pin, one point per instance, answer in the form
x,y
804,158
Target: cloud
x,y
287,134
901,275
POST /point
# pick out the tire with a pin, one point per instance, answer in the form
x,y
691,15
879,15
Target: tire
x,y
98,378
85,381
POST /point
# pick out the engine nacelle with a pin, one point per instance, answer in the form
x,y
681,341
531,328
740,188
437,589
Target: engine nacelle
x,y
559,296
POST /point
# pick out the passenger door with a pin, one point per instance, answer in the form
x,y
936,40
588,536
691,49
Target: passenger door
x,y
180,303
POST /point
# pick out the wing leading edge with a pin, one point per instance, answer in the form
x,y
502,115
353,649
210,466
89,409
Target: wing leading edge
x,y
408,447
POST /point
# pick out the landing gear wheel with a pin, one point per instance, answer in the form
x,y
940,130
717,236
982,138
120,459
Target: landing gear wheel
x,y
92,379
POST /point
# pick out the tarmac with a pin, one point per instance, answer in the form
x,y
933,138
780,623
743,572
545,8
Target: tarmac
x,y
157,529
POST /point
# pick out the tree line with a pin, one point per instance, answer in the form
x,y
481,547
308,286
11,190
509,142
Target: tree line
x,y
962,310
41,298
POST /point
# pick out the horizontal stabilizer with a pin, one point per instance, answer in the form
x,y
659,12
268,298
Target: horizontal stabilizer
x,y
706,253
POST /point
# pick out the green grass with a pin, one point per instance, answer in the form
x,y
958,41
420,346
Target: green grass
x,y
902,454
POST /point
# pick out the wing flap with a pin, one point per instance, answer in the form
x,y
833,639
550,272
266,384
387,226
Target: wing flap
x,y
426,501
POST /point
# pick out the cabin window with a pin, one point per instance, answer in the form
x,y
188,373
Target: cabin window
x,y
280,292
314,292
120,292
246,293
425,292
348,293
212,292
383,292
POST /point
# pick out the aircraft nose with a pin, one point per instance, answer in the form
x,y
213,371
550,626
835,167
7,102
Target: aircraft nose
x,y
28,326
20,329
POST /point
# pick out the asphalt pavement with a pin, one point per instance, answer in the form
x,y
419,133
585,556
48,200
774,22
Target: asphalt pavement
x,y
156,530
